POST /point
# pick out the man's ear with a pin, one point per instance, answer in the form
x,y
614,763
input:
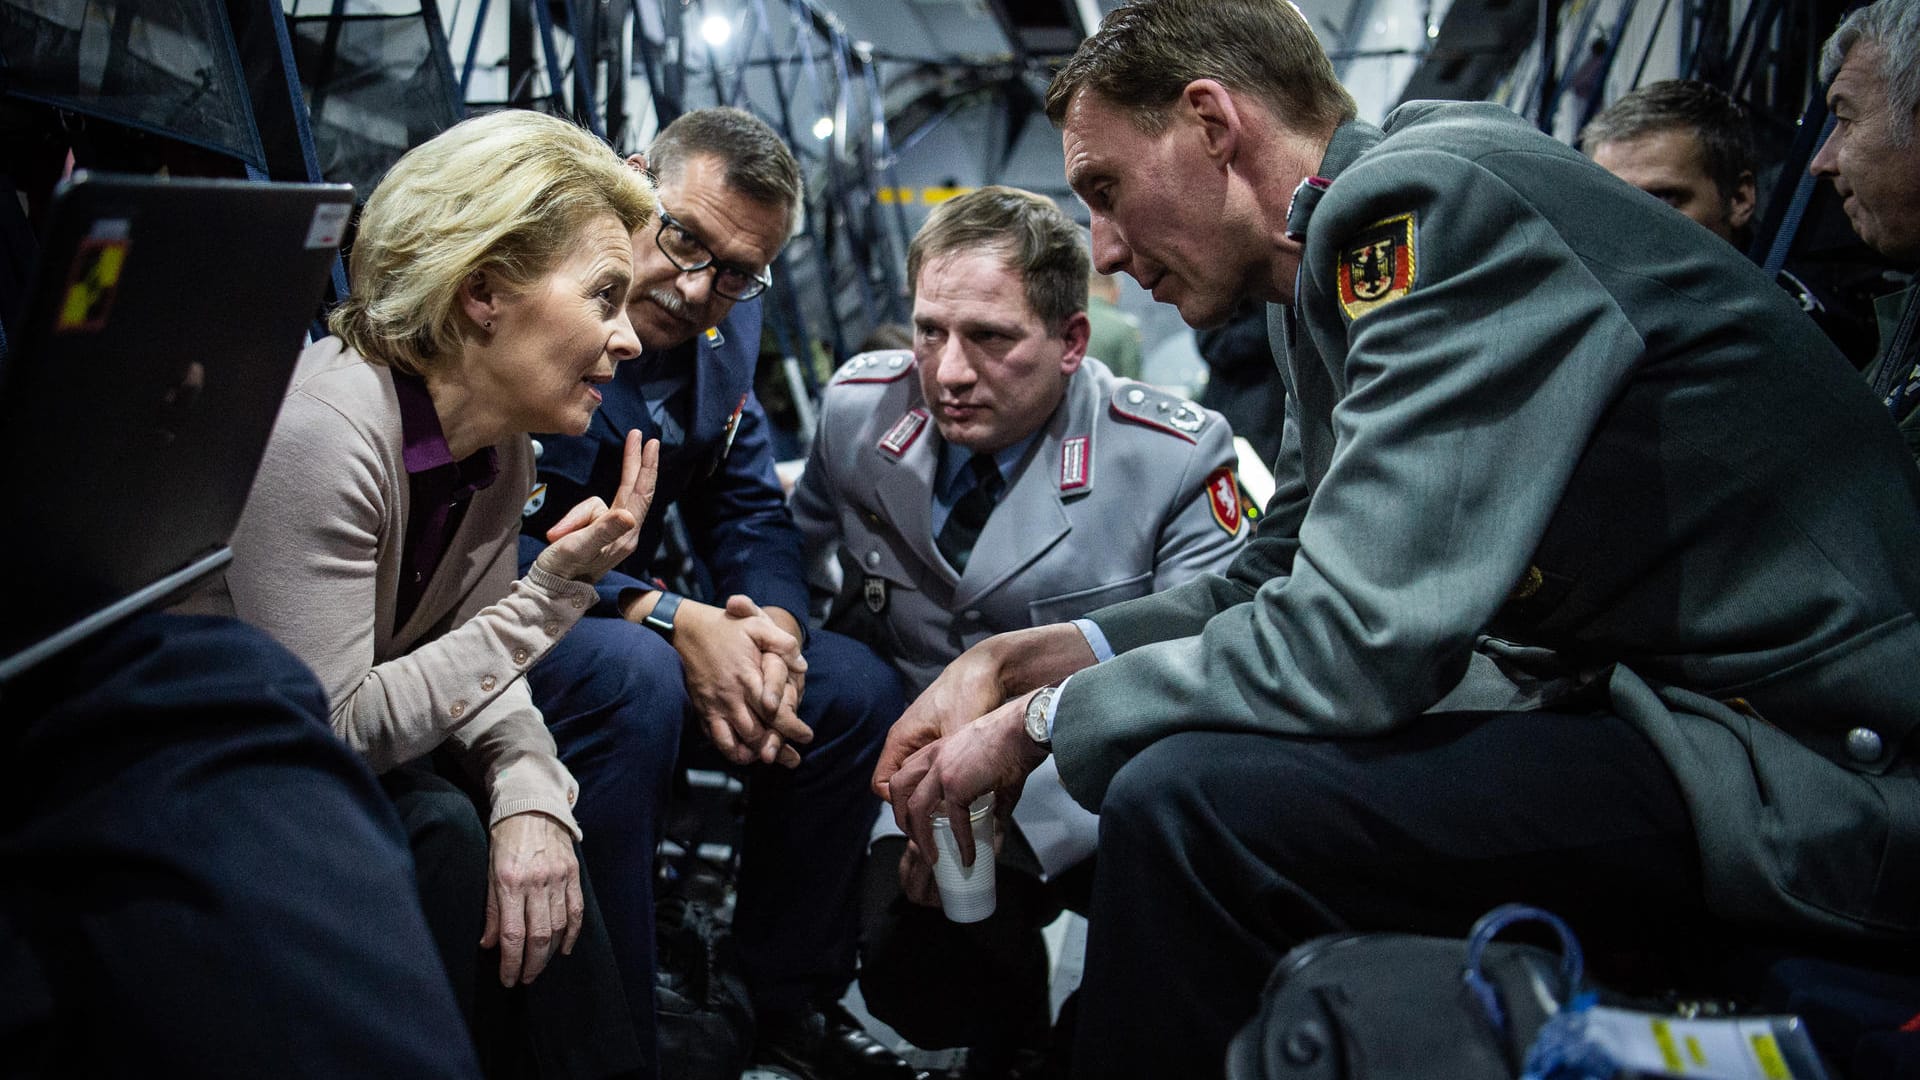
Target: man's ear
x,y
1077,331
637,161
1212,105
479,299
1740,206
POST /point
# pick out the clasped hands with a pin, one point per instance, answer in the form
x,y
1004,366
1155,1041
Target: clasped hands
x,y
745,676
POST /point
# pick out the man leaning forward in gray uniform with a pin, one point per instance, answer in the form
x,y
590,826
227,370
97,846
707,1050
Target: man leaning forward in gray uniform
x,y
1533,616
995,478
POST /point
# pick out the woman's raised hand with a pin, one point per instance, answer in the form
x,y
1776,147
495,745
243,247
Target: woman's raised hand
x,y
593,537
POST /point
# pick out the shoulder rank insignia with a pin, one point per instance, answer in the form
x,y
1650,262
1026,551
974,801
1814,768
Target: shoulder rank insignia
x,y
878,367
1223,498
903,432
1376,266
1143,404
1076,463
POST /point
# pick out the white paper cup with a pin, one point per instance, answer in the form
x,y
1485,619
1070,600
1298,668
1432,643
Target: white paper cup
x,y
966,892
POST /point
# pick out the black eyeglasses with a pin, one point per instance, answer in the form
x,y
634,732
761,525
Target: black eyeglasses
x,y
684,250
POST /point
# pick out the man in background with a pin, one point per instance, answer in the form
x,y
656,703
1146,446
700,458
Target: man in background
x,y
1686,143
1872,66
1113,336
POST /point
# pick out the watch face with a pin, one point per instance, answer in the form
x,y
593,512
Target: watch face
x,y
1037,716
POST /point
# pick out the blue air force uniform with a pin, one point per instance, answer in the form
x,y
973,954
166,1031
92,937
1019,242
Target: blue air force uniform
x,y
806,828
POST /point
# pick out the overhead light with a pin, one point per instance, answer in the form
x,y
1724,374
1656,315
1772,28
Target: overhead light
x,y
823,128
1433,31
716,30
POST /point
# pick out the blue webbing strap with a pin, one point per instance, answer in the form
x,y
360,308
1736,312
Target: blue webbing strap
x,y
1797,209
303,126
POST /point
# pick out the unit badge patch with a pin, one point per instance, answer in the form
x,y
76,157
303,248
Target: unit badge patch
x,y
1223,498
1377,266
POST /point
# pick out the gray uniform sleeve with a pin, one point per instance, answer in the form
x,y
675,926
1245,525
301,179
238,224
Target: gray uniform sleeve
x,y
1192,540
1183,610
815,508
1467,404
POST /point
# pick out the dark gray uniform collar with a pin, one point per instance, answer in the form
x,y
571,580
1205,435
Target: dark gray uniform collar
x,y
1350,140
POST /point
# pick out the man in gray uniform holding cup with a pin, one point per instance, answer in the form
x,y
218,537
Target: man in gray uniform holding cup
x,y
996,477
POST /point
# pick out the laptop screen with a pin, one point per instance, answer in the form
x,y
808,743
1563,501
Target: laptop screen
x,y
141,386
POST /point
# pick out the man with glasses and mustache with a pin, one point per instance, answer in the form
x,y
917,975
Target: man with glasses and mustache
x,y
808,713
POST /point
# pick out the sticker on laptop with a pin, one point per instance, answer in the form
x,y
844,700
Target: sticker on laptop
x,y
329,224
94,280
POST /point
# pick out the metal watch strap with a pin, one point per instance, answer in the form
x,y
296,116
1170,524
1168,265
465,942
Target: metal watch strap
x,y
661,617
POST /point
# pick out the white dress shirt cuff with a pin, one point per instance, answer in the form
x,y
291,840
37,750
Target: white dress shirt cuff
x,y
1096,640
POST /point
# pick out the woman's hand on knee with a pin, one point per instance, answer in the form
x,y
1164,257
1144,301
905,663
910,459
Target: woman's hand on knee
x,y
534,902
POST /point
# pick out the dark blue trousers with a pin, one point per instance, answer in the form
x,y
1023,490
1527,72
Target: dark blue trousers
x,y
614,694
201,880
616,723
796,919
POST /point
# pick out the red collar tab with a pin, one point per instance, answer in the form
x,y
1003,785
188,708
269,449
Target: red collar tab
x,y
904,432
1076,463
1306,196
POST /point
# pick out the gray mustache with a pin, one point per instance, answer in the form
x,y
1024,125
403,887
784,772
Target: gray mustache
x,y
671,301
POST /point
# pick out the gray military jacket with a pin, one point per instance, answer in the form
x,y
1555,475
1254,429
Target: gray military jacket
x,y
1117,499
1522,402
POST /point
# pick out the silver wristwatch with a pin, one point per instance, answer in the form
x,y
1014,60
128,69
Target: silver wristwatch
x,y
1037,707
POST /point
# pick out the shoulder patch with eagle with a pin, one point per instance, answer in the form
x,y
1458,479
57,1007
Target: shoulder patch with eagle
x,y
1377,266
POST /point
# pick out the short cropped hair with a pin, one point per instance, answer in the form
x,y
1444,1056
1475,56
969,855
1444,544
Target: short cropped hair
x,y
1145,53
1894,25
1034,235
508,193
1717,122
754,161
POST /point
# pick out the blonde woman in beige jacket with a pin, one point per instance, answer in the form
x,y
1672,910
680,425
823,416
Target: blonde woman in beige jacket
x,y
490,274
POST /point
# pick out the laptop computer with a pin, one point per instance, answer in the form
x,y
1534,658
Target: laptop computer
x,y
140,386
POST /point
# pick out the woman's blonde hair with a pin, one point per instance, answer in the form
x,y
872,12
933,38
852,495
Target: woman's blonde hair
x,y
508,193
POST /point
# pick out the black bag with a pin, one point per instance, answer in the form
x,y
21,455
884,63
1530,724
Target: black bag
x,y
705,1018
1402,1007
